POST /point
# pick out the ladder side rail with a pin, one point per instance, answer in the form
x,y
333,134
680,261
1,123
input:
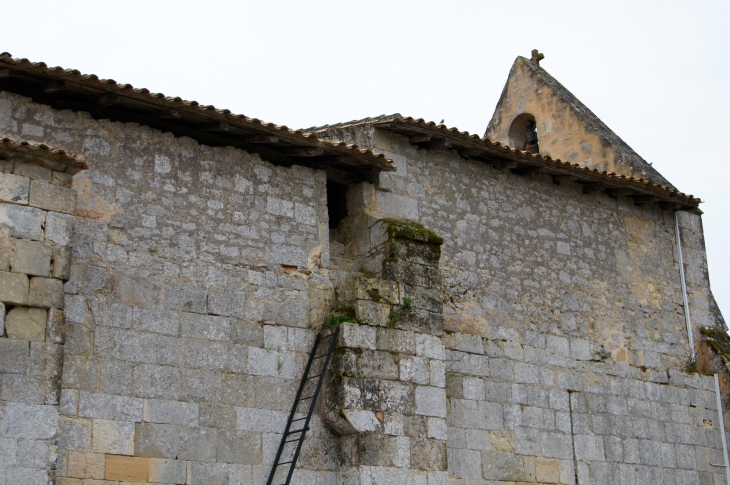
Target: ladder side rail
x,y
312,404
294,408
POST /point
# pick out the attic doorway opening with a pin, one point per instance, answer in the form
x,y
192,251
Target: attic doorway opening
x,y
336,202
523,134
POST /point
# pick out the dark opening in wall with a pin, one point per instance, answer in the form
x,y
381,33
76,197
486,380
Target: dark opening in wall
x,y
523,133
336,202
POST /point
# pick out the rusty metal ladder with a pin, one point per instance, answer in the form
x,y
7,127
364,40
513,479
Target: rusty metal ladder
x,y
296,436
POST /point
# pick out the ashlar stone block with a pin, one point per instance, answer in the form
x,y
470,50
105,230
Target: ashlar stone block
x,y
127,468
372,313
33,171
23,323
431,401
156,440
166,471
23,222
13,288
52,197
6,245
46,292
2,319
59,228
61,263
85,465
14,188
32,258
113,437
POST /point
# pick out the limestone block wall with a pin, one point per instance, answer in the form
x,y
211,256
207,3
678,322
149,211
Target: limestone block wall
x,y
566,345
198,275
37,205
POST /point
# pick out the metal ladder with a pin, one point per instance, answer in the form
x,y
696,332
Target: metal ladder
x,y
315,365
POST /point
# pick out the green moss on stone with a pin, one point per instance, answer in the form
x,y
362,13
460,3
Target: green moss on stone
x,y
413,231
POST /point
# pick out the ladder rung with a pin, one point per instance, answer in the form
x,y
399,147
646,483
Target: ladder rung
x,y
305,398
320,356
283,463
312,377
299,419
296,431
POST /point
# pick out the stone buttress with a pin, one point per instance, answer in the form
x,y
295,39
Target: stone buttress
x,y
388,400
37,207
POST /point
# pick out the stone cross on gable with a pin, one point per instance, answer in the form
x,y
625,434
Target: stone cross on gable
x,y
537,57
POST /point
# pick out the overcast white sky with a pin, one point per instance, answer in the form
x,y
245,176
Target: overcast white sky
x,y
656,72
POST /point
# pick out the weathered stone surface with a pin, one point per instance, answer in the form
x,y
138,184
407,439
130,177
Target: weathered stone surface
x,y
13,288
228,303
32,258
33,171
22,222
113,437
61,263
52,197
59,228
170,412
2,319
239,447
111,407
372,313
14,188
6,245
23,323
46,292
85,465
167,471
156,440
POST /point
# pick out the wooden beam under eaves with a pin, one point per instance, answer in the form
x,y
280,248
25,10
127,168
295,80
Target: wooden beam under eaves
x,y
415,139
645,199
613,192
471,152
527,169
216,126
304,152
169,114
590,187
504,165
54,86
260,139
107,100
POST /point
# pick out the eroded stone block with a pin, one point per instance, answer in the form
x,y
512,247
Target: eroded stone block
x,y
61,263
14,188
46,292
23,222
113,437
24,323
13,288
52,197
32,258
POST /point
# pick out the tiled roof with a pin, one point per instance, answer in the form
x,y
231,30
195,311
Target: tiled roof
x,y
106,99
473,146
59,159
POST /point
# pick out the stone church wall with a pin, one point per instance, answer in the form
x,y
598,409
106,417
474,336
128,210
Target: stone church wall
x,y
556,347
194,284
565,335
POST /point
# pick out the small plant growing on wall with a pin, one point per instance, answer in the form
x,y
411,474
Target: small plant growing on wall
x,y
345,315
